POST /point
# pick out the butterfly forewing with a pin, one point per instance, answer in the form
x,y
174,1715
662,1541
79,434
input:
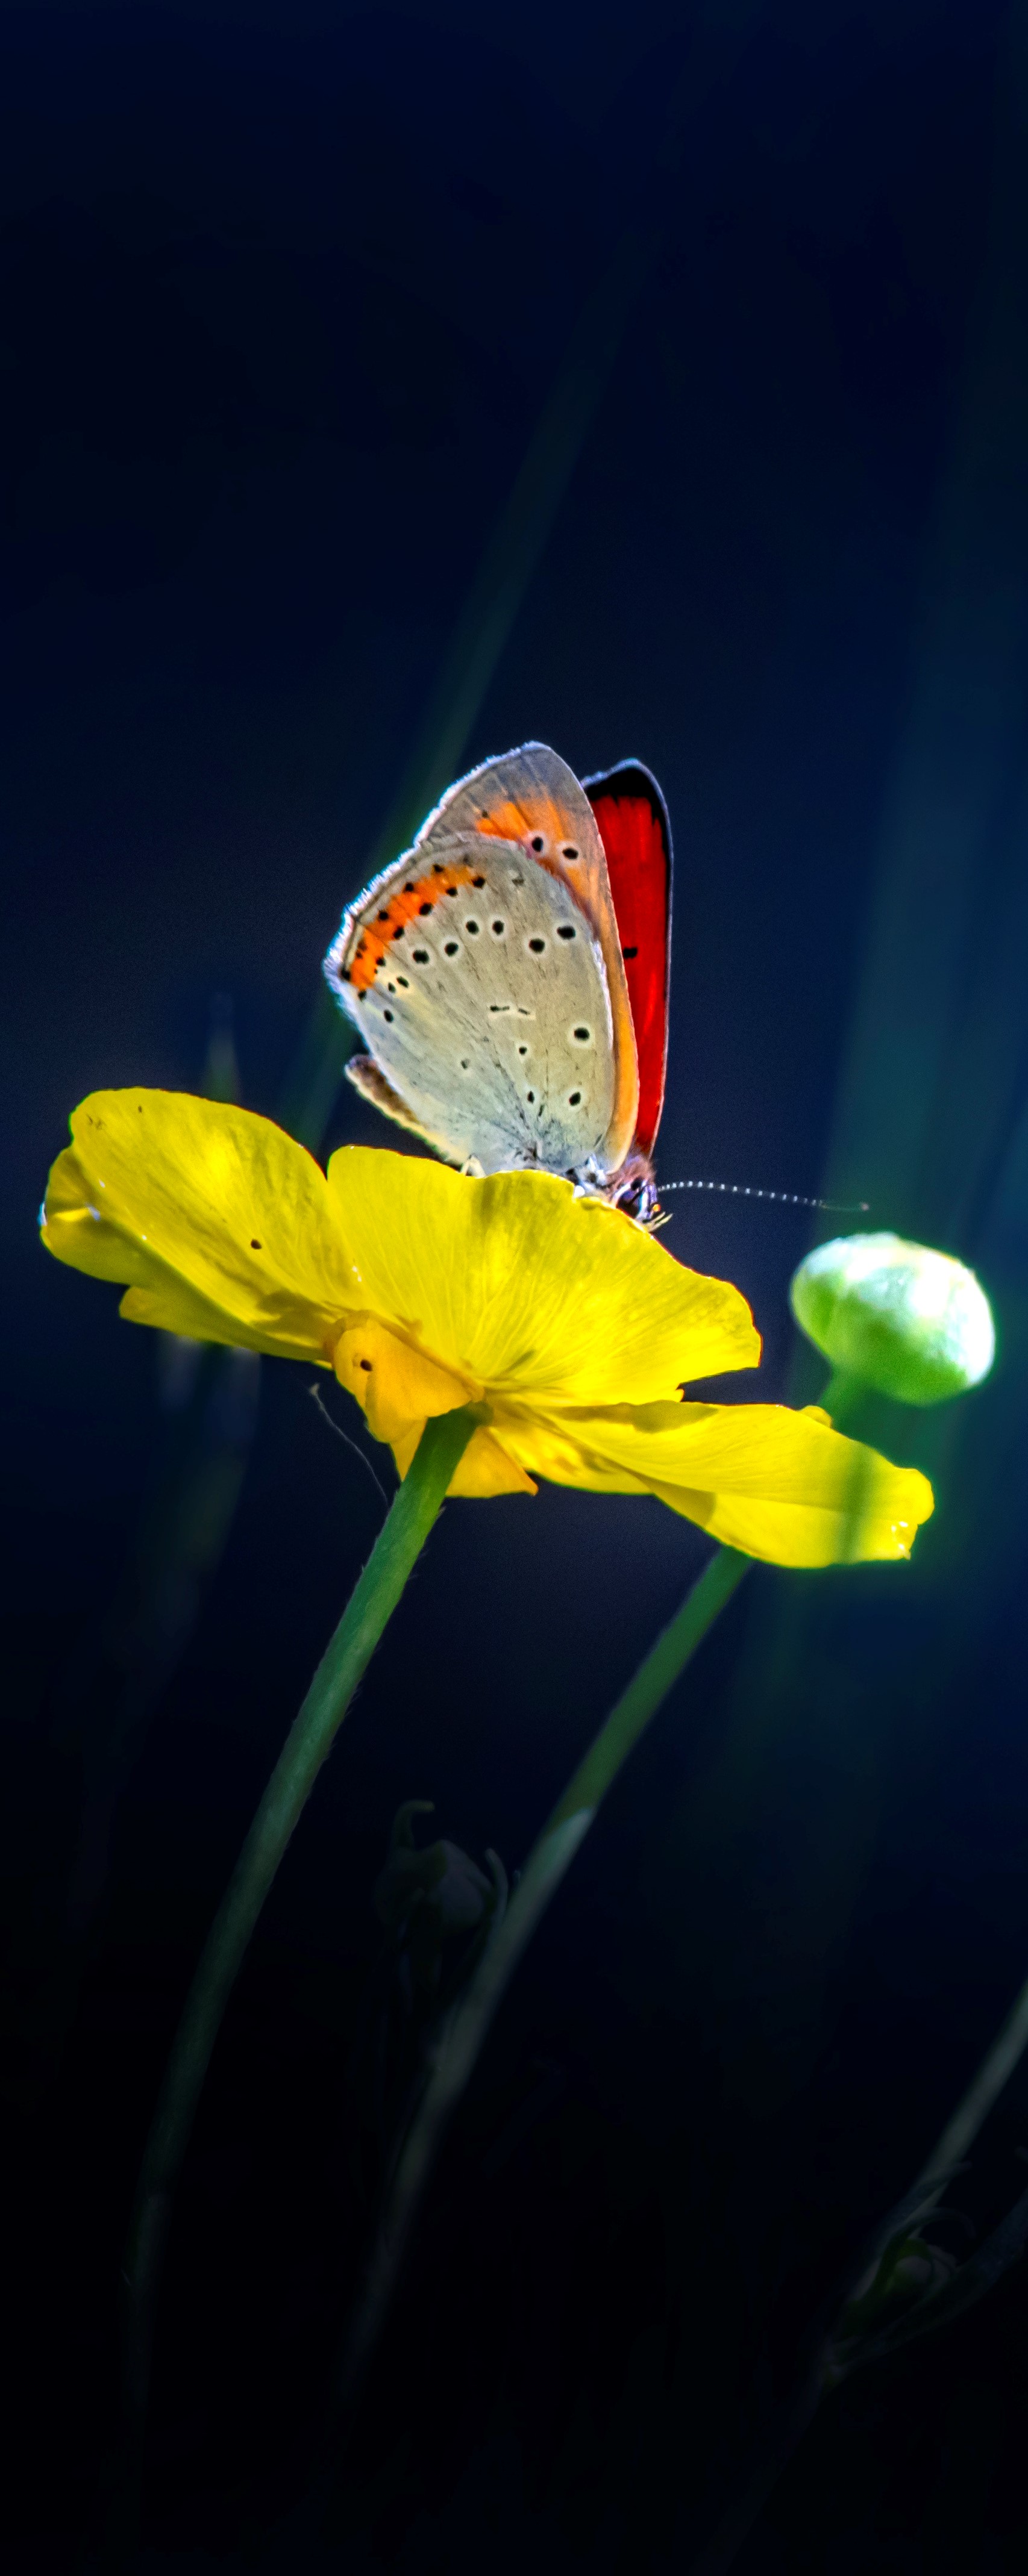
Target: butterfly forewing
x,y
480,992
530,796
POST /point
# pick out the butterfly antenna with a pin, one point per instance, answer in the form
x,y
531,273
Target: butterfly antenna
x,y
786,1198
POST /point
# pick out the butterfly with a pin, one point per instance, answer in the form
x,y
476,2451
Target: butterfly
x,y
509,974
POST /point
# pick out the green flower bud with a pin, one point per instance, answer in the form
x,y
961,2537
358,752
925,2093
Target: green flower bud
x,y
911,1322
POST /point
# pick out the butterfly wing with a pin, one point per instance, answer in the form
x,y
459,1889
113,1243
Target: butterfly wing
x,y
368,1078
480,989
636,834
531,797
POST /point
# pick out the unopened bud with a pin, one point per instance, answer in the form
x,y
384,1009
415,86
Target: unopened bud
x,y
913,1323
438,1876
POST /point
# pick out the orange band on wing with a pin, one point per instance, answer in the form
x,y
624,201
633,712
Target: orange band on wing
x,y
416,898
517,822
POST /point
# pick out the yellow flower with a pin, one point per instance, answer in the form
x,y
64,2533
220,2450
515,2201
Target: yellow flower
x,y
425,1289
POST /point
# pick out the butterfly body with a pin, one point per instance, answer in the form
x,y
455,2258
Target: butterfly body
x,y
484,969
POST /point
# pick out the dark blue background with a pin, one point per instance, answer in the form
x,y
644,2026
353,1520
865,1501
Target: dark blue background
x,y
283,293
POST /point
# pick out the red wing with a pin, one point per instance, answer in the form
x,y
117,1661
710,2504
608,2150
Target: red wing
x,y
636,836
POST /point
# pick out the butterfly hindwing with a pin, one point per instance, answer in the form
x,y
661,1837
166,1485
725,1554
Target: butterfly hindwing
x,y
368,1078
480,991
633,823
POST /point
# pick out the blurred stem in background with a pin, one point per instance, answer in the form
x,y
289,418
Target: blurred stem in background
x,y
497,593
414,1510
908,2287
213,1411
105,1694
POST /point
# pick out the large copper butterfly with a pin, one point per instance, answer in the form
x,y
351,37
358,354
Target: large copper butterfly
x,y
510,975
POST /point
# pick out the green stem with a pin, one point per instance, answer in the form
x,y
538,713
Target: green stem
x,y
842,1398
310,1739
551,1856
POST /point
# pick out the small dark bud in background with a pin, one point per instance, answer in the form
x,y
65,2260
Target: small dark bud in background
x,y
437,1909
424,1898
441,1876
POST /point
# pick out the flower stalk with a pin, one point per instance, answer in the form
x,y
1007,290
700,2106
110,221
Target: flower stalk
x,y
310,1739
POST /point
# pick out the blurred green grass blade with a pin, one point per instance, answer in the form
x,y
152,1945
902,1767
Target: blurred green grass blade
x,y
935,1062
153,1615
379,1587
497,593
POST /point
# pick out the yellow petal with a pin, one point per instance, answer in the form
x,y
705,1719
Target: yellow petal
x,y
554,1446
222,1221
485,1468
533,1292
177,1309
395,1385
808,1534
77,1228
776,1484
77,1232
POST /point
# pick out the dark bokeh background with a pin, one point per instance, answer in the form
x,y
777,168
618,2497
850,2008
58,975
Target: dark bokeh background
x,y
283,293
